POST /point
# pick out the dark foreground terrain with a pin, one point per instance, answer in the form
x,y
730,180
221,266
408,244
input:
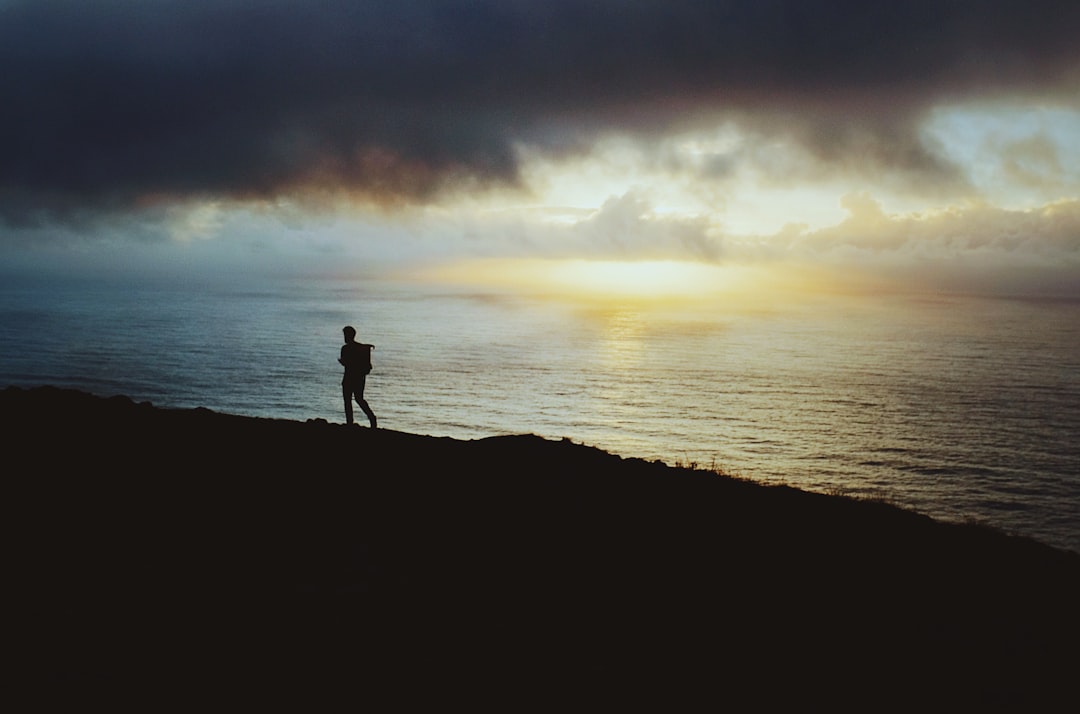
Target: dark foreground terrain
x,y
174,554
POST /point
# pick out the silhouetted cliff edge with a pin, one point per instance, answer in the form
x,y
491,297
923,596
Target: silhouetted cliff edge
x,y
178,552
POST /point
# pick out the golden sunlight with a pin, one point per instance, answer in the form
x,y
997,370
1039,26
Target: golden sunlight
x,y
645,281
649,279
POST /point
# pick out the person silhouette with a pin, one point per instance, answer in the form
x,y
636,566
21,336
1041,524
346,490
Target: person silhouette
x,y
356,358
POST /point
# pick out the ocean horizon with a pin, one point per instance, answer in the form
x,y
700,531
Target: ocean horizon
x,y
959,407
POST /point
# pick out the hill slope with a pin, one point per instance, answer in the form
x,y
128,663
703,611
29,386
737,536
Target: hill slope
x,y
185,550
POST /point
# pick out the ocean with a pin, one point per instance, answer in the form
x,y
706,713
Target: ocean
x,y
962,408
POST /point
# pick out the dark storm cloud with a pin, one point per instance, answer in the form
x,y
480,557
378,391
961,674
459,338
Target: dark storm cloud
x,y
120,103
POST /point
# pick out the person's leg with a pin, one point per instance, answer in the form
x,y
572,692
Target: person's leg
x,y
359,392
346,392
370,414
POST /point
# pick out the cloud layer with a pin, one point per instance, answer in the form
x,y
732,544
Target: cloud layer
x,y
124,103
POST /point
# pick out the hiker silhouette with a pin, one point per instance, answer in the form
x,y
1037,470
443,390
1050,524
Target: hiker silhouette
x,y
356,358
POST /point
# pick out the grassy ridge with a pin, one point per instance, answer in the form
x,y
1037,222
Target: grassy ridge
x,y
185,550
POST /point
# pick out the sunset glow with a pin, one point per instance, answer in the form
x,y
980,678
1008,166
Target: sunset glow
x,y
687,175
645,281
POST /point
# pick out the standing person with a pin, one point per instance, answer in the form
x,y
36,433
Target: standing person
x,y
356,358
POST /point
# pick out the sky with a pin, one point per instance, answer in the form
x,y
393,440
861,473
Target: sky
x,y
631,147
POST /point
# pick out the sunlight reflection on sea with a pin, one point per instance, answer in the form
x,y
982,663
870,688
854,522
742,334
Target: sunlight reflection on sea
x,y
958,407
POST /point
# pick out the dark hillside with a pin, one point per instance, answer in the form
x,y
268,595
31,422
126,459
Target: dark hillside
x,y
184,551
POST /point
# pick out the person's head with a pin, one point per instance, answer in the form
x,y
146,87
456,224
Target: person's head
x,y
350,333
